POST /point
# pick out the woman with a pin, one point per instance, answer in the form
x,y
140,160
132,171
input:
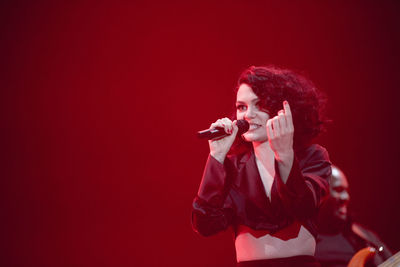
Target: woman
x,y
267,185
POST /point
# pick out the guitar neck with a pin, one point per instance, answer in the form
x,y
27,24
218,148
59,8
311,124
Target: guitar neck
x,y
393,261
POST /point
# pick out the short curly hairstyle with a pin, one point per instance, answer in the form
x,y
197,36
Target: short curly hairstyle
x,y
273,85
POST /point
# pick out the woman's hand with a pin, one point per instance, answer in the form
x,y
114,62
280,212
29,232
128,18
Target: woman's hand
x,y
219,148
280,132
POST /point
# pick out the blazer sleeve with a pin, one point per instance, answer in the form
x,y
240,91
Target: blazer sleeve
x,y
306,185
212,211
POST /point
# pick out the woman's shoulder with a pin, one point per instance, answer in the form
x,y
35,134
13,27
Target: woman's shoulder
x,y
312,151
315,159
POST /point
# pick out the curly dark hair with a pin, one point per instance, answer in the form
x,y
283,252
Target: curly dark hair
x,y
273,85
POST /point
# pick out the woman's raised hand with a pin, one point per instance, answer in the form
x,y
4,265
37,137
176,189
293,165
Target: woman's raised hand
x,y
280,132
219,148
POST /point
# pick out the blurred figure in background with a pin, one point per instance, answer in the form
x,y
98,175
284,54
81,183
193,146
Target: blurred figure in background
x,y
339,237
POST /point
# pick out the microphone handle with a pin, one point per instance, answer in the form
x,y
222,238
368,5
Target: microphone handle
x,y
209,134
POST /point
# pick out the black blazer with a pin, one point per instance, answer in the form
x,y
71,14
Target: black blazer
x,y
232,194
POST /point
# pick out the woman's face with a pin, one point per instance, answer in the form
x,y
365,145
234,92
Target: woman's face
x,y
247,108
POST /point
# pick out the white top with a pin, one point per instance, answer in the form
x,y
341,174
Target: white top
x,y
267,177
248,247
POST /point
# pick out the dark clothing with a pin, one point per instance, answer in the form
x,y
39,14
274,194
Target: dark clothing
x,y
298,261
336,250
232,194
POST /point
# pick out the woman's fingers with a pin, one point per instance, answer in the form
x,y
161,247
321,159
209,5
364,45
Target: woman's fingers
x,y
282,119
235,129
288,115
282,123
280,131
219,147
270,131
224,123
227,125
276,126
286,107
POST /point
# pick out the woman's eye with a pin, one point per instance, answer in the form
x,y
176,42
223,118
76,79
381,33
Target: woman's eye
x,y
241,107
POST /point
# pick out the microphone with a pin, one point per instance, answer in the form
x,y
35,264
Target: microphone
x,y
219,132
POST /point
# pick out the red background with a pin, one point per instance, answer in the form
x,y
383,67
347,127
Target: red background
x,y
101,102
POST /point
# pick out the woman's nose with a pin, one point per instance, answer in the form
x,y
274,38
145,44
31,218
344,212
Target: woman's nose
x,y
249,113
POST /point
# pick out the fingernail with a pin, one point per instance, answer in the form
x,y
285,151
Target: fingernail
x,y
285,102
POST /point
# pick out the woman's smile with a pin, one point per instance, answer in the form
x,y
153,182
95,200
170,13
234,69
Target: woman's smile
x,y
254,126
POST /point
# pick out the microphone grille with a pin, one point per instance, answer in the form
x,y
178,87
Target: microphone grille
x,y
243,126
